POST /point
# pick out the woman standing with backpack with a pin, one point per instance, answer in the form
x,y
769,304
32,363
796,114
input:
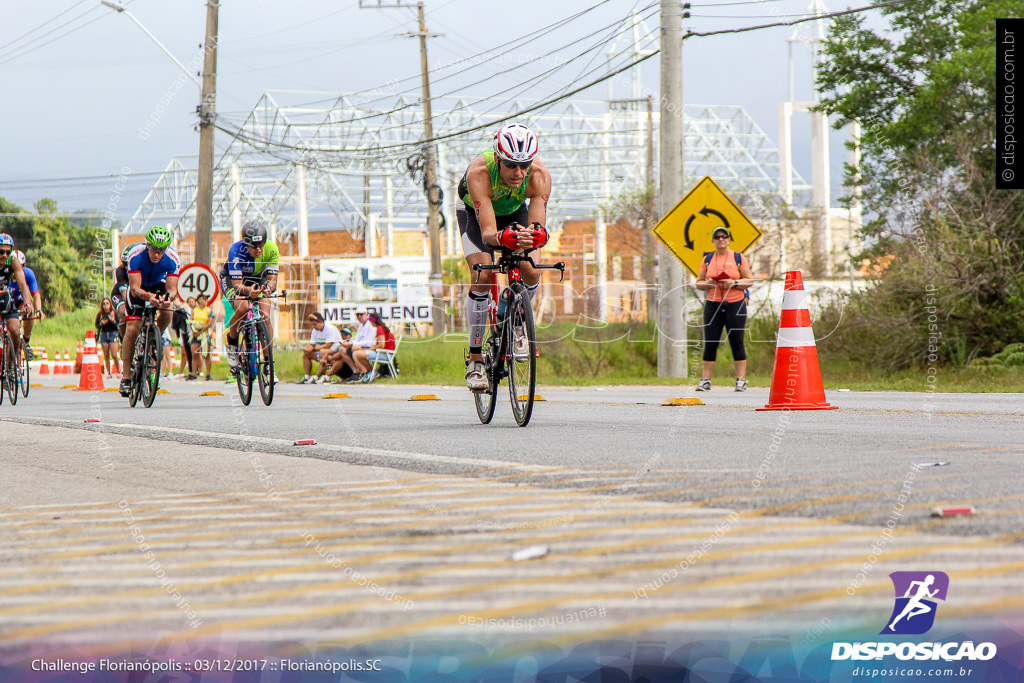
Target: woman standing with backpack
x,y
725,276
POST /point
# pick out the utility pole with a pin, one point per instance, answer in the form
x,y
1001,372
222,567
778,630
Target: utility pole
x,y
207,115
648,243
671,311
431,187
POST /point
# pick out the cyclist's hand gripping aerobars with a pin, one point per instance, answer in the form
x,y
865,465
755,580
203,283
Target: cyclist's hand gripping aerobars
x,y
513,237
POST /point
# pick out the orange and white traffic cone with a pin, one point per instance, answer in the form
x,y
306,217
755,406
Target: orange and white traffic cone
x,y
64,367
796,378
215,353
44,364
79,353
91,378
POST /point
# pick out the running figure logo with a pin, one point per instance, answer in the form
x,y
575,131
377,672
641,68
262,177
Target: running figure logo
x,y
916,592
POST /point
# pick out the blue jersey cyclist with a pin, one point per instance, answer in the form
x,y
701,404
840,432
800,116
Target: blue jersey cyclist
x,y
153,269
12,273
251,269
504,190
19,300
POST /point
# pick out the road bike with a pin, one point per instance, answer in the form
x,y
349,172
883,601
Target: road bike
x,y
510,343
149,353
24,371
255,351
9,367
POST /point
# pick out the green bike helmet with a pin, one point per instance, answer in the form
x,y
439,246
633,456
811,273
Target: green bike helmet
x,y
159,236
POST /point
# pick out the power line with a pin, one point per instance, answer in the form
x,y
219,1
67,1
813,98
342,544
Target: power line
x,y
23,50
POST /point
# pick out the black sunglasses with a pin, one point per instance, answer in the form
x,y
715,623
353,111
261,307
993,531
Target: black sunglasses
x,y
524,165
5,252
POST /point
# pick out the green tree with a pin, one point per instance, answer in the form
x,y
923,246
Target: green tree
x,y
924,93
64,257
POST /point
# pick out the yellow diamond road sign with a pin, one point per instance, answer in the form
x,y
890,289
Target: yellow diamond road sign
x,y
686,229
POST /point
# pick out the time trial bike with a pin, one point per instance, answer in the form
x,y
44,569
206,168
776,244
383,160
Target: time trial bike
x,y
255,351
510,343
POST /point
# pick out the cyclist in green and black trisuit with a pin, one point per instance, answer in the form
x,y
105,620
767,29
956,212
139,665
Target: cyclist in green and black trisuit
x,y
251,268
507,188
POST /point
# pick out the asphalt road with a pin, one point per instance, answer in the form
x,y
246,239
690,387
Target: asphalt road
x,y
652,518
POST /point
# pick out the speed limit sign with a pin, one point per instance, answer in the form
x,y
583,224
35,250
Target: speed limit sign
x,y
196,279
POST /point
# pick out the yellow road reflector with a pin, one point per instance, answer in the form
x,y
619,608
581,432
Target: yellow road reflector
x,y
536,397
34,385
340,394
683,402
107,389
211,393
425,397
161,391
70,386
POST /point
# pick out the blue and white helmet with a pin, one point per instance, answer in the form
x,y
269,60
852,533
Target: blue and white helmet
x,y
6,239
515,142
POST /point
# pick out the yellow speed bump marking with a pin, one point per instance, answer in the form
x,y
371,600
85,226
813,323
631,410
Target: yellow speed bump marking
x,y
211,393
70,386
683,402
340,394
34,385
162,391
425,397
536,397
107,389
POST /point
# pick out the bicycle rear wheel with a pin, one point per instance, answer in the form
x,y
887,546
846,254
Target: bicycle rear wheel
x,y
11,372
25,373
244,370
485,399
521,361
265,363
151,369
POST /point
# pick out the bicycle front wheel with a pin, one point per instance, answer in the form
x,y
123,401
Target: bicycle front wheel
x,y
265,363
151,368
11,372
25,373
486,399
135,374
521,355
244,370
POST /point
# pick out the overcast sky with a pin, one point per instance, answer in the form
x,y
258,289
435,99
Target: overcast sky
x,y
80,79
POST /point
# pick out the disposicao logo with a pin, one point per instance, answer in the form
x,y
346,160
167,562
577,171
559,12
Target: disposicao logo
x,y
916,593
914,614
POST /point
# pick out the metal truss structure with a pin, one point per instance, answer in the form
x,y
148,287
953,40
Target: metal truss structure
x,y
332,161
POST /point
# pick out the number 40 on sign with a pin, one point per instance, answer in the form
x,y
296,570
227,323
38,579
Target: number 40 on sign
x,y
196,279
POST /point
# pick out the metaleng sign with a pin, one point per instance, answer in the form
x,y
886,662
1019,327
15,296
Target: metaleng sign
x,y
913,613
395,287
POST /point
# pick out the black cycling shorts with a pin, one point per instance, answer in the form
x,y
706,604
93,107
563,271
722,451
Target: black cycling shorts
x,y
134,307
472,241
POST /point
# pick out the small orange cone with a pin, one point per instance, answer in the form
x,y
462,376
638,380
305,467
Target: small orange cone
x,y
79,353
796,378
215,353
44,365
63,366
92,372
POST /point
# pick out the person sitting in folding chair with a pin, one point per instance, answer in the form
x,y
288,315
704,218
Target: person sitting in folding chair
x,y
383,347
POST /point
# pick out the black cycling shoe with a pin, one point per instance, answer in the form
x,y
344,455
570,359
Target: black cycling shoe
x,y
126,388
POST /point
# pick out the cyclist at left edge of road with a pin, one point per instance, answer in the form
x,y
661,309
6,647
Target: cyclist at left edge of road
x,y
251,268
153,269
12,272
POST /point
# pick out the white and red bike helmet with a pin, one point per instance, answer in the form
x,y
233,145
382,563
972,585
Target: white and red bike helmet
x,y
515,143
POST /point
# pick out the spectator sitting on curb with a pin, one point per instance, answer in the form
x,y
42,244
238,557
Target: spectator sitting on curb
x,y
323,339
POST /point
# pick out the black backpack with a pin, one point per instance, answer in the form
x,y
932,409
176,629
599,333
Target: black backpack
x,y
739,262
